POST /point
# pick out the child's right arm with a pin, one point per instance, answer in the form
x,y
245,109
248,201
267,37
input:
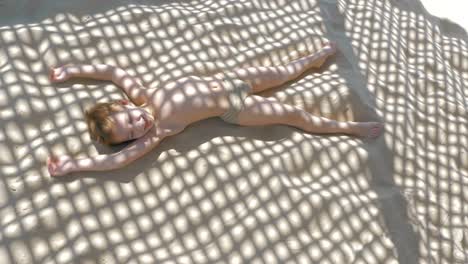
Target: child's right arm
x,y
121,78
62,165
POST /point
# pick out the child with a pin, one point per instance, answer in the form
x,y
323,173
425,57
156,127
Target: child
x,y
154,114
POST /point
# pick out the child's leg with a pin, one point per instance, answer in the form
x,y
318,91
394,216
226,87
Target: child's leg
x,y
262,111
262,78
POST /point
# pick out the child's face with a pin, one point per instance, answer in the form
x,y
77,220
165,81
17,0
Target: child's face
x,y
131,123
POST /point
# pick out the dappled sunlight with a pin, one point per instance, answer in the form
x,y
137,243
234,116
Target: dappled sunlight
x,y
223,193
415,74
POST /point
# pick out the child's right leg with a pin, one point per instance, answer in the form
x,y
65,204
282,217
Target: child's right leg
x,y
260,111
262,78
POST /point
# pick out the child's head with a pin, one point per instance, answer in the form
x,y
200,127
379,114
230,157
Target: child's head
x,y
117,122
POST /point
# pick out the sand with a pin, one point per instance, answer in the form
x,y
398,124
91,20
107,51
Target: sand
x,y
219,193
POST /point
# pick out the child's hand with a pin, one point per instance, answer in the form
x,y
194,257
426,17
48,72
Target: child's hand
x,y
59,166
59,74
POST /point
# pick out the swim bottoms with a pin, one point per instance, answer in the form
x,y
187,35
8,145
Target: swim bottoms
x,y
237,91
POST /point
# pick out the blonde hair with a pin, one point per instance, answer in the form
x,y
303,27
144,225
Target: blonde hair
x,y
100,125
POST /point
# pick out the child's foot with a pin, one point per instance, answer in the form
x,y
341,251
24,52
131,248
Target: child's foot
x,y
368,129
327,50
330,48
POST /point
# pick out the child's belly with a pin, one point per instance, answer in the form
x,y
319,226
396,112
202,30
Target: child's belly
x,y
192,99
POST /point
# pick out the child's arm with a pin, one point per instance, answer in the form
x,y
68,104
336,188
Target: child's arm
x,y
59,166
121,78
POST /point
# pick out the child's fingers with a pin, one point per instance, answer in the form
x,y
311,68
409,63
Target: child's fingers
x,y
52,158
49,165
52,74
51,169
52,164
61,76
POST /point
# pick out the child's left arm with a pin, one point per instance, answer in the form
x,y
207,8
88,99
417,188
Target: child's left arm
x,y
59,166
131,86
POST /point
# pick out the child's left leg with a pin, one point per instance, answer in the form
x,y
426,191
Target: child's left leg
x,y
260,111
263,78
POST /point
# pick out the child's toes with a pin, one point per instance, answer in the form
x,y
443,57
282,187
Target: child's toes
x,y
332,47
376,130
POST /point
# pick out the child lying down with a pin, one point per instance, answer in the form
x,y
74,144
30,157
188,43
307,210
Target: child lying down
x,y
154,114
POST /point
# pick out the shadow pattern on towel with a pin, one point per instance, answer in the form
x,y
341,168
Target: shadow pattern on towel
x,y
219,193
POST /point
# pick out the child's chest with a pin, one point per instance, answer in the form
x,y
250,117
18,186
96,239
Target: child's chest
x,y
189,100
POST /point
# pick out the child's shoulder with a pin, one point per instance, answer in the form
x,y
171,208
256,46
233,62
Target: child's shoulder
x,y
166,129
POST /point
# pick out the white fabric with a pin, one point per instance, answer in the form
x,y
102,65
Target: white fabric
x,y
218,193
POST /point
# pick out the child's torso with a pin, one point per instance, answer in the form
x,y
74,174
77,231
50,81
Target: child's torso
x,y
188,100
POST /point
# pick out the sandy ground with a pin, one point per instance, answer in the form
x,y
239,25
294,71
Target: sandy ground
x,y
219,193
